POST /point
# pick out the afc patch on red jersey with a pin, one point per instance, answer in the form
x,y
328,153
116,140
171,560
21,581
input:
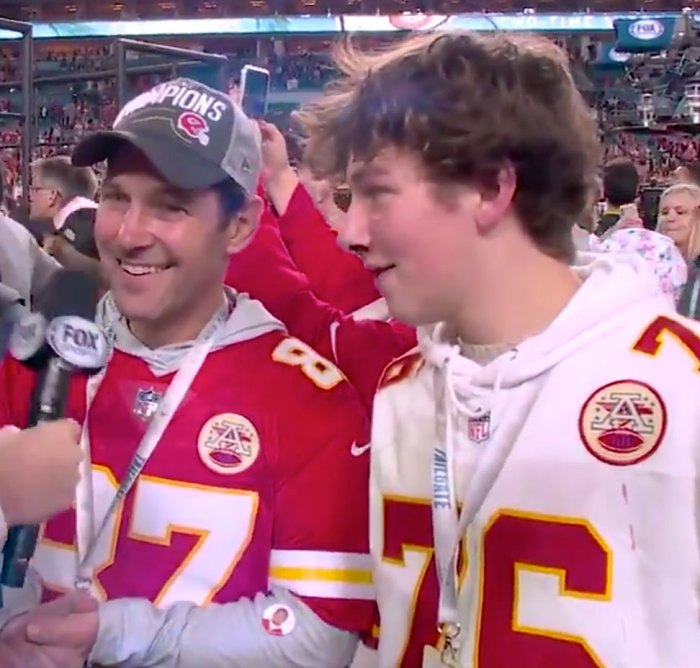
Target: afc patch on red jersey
x,y
228,444
623,422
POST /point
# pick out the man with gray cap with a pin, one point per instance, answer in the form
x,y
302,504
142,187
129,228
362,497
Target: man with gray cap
x,y
225,493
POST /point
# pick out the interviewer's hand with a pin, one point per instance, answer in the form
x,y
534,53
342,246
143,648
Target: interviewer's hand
x,y
59,634
38,470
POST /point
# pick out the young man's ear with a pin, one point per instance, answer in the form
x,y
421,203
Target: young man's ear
x,y
243,224
496,198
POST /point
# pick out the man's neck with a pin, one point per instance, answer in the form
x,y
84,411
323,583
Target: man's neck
x,y
180,329
516,302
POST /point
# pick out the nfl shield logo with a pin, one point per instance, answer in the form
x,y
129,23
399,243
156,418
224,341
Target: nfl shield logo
x,y
146,403
479,428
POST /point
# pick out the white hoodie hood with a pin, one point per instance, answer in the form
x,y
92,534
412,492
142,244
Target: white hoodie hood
x,y
613,289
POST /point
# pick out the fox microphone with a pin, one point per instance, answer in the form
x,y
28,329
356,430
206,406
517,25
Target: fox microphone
x,y
61,341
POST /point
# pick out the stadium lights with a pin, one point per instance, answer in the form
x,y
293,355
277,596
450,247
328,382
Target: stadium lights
x,y
645,106
692,98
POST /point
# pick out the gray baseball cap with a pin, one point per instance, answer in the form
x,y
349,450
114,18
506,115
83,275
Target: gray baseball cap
x,y
195,136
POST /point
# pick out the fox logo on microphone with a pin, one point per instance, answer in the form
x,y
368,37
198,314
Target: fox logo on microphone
x,y
78,342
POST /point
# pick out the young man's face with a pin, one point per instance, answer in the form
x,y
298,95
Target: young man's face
x,y
163,250
417,243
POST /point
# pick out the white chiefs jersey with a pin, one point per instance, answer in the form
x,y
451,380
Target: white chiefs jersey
x,y
584,550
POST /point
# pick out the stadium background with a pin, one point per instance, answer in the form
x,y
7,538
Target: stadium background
x,y
66,68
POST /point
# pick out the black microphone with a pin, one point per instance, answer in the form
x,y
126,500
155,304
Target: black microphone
x,y
57,343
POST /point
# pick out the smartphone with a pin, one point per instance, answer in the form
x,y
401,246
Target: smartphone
x,y
255,90
649,204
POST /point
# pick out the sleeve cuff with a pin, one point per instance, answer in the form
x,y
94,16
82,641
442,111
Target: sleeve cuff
x,y
127,628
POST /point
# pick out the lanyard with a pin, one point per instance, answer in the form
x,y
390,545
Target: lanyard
x,y
88,533
450,525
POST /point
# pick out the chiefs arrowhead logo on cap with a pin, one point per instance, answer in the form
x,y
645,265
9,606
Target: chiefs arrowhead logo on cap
x,y
194,126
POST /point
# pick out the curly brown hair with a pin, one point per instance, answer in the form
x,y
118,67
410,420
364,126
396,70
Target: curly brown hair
x,y
468,105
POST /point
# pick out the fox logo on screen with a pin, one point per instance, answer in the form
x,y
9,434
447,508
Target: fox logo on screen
x,y
647,29
78,342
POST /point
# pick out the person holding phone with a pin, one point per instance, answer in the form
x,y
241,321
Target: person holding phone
x,y
629,218
254,91
620,189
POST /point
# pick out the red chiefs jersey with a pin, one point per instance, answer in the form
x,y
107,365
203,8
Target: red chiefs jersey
x,y
260,479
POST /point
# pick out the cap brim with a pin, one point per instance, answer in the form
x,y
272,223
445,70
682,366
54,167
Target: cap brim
x,y
177,163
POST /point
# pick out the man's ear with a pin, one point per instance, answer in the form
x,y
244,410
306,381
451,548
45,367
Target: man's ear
x,y
243,224
56,197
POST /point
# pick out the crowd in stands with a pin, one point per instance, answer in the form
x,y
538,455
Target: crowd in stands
x,y
66,110
656,157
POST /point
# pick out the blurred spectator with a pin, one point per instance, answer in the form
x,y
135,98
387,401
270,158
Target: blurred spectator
x,y
679,218
688,173
24,267
65,195
60,190
620,187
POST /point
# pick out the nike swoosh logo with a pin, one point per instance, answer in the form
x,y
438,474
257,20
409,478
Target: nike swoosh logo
x,y
357,450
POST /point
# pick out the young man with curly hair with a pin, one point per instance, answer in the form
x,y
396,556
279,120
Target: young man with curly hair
x,y
535,461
